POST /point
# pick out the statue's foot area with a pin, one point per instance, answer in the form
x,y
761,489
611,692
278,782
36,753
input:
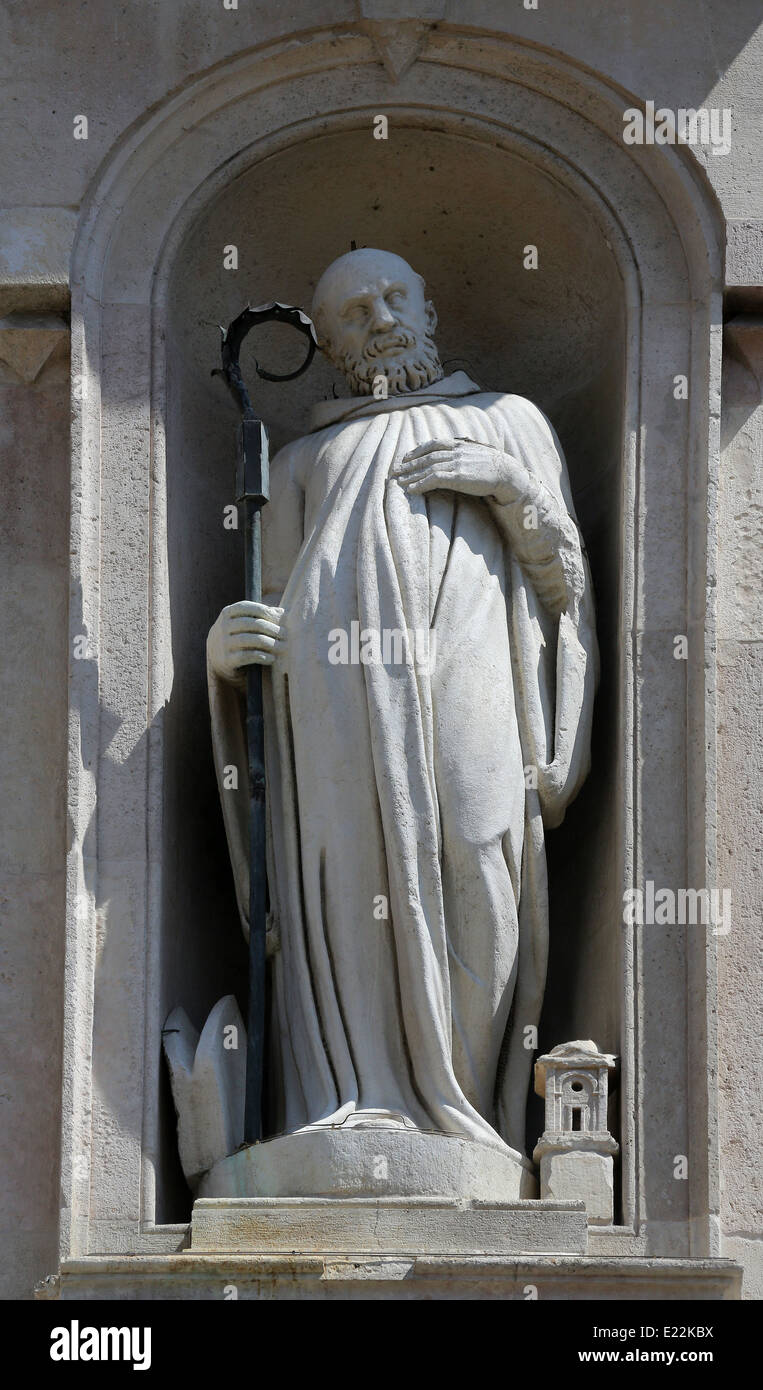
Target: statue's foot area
x,y
347,1118
377,1157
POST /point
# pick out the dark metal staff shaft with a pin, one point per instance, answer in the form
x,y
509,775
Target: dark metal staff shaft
x,y
252,492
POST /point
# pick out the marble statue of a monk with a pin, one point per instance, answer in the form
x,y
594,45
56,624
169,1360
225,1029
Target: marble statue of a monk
x,y
410,780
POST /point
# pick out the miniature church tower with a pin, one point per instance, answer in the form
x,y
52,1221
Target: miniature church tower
x,y
576,1150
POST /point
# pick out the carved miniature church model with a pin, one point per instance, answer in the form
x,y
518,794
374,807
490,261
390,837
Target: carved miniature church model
x,y
576,1149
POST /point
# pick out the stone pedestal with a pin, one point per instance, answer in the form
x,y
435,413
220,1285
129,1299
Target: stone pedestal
x,y
386,1226
575,1169
372,1162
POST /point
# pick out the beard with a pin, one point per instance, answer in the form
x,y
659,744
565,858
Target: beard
x,y
415,363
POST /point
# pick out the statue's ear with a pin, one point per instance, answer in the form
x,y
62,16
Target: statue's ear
x,y
431,314
321,333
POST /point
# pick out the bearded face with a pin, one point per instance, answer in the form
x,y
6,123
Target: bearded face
x,y
405,361
373,322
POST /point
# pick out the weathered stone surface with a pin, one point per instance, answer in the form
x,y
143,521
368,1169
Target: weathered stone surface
x,y
371,1162
582,1176
35,247
34,579
387,1225
196,1277
28,341
740,795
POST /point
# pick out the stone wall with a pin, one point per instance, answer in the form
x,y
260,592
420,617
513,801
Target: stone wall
x,y
34,581
115,68
740,795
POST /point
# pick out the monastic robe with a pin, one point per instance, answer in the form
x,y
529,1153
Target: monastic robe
x,y
408,797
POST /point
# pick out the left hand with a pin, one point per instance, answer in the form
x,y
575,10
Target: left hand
x,y
460,465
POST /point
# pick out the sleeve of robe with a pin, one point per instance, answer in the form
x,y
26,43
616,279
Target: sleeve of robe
x,y
282,524
555,656
552,612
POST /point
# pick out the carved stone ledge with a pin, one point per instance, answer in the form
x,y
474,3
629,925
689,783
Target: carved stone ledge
x,y
191,1276
397,38
743,338
28,341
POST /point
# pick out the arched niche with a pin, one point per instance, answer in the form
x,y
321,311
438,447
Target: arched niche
x,y
463,211
275,153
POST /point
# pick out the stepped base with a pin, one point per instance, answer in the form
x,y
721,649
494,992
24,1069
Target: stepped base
x,y
390,1226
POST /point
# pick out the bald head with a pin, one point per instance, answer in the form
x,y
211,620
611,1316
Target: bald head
x,y
356,271
373,320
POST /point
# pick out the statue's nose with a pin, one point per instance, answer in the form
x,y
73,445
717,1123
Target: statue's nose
x,y
382,315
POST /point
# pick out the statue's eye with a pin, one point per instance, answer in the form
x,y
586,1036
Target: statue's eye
x,y
395,298
358,313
